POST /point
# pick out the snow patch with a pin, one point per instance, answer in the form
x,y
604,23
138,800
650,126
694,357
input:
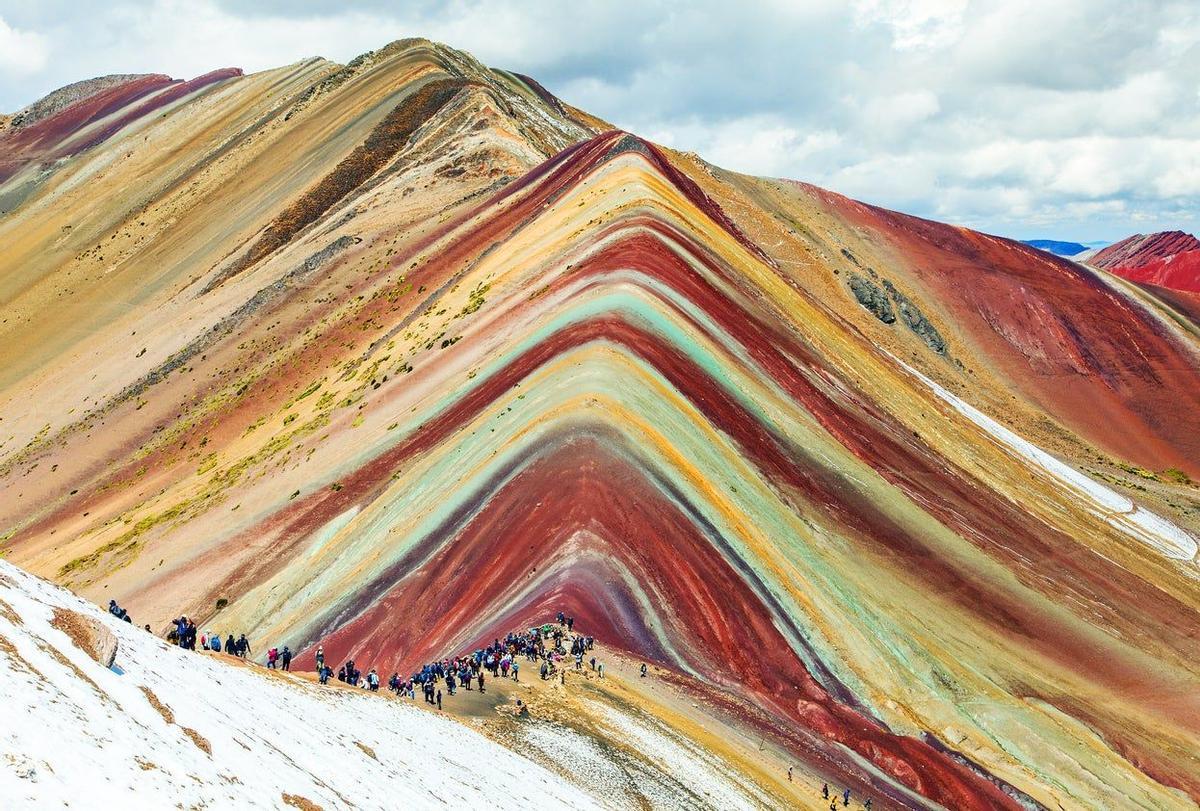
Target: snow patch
x,y
1165,537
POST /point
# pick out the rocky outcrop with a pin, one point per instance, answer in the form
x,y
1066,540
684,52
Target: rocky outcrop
x,y
872,297
88,635
915,320
878,300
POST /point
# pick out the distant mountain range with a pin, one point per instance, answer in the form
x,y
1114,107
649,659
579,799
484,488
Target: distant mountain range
x,y
1056,247
1061,248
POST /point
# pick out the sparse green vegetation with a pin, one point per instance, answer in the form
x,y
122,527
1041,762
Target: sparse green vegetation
x,y
1176,476
476,299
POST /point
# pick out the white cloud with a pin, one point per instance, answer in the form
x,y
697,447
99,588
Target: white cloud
x,y
21,52
1077,117
915,24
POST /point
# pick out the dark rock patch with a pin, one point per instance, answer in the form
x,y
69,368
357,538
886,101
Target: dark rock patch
x,y
872,297
915,320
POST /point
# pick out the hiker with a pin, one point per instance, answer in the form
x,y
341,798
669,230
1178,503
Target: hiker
x,y
324,672
243,646
789,774
545,669
643,670
285,659
112,607
825,790
272,655
570,623
320,657
846,798
439,699
480,678
147,627
373,681
515,667
230,646
600,669
450,683
214,642
867,804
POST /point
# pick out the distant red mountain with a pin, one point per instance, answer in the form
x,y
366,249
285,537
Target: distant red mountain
x,y
1168,259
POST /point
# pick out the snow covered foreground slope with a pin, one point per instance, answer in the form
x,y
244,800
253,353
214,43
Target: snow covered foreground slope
x,y
78,734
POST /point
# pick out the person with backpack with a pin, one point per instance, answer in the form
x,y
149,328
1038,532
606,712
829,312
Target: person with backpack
x,y
243,646
214,642
323,672
373,681
230,645
285,659
272,655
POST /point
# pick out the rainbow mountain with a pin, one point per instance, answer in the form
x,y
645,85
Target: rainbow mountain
x,y
397,356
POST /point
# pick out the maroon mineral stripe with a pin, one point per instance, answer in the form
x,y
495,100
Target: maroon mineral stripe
x,y
158,101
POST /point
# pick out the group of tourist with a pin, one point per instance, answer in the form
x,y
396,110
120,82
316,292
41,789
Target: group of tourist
x,y
547,644
833,800
183,632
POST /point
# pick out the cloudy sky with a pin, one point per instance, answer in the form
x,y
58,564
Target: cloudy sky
x,y
1070,119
